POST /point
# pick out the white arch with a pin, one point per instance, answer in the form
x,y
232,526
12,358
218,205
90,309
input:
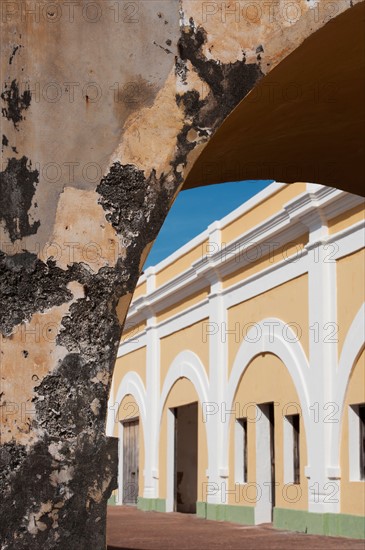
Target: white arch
x,y
351,349
185,365
272,335
131,384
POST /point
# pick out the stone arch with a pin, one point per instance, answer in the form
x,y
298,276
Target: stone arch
x,y
140,154
276,115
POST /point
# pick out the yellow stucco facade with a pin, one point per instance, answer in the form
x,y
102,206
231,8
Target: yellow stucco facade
x,y
288,302
265,373
190,338
258,323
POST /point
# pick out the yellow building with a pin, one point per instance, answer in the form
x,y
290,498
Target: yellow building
x,y
239,388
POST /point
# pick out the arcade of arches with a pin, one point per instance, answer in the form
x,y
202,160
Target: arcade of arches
x,y
268,346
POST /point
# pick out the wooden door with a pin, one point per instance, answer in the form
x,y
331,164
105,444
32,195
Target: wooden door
x,y
130,461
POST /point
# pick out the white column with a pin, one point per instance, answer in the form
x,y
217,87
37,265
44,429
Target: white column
x,y
151,428
324,495
170,469
217,455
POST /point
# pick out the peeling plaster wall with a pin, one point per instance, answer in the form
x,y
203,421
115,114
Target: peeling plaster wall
x,y
104,110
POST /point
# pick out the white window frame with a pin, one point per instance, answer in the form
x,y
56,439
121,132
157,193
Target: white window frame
x,y
289,449
354,442
239,448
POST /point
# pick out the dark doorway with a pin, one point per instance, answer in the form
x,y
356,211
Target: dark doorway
x,y
186,458
270,407
130,461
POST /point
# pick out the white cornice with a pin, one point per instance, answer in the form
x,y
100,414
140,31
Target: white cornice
x,y
218,224
331,202
294,219
349,240
266,279
230,258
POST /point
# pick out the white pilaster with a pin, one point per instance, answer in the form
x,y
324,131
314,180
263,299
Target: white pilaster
x,y
218,456
323,482
151,473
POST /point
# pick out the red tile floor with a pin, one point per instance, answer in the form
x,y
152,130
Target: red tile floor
x,y
131,529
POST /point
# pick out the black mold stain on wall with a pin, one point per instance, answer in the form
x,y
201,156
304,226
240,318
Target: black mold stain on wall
x,y
15,49
63,399
92,327
60,496
28,286
136,206
17,188
228,84
132,200
16,102
70,404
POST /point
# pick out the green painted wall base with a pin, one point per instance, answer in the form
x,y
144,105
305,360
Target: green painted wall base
x,y
244,515
334,525
151,504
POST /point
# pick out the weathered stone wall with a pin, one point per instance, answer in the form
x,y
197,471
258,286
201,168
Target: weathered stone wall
x,y
105,107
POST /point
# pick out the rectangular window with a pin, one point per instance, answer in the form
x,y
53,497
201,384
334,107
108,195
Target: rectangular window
x,y
241,450
362,440
296,459
292,449
357,442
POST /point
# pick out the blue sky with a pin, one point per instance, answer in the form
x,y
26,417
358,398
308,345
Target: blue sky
x,y
195,209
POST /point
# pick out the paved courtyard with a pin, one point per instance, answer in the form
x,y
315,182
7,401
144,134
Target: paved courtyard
x,y
131,529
